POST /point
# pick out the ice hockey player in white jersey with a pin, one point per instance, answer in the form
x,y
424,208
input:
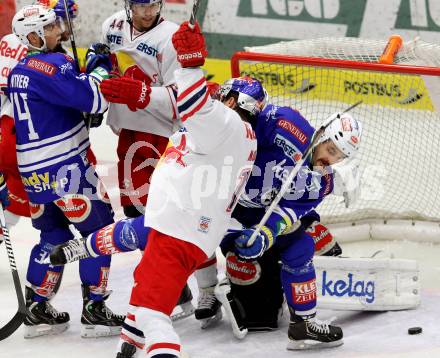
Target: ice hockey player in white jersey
x,y
194,189
140,43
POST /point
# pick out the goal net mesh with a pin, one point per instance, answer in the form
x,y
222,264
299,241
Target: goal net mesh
x,y
400,166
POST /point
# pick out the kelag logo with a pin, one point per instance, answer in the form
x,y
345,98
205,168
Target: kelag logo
x,y
348,287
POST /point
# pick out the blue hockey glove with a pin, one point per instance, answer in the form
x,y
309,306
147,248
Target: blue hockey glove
x,y
4,193
98,55
251,251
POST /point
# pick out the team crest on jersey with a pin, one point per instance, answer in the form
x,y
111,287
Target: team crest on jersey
x,y
204,224
75,207
36,210
242,273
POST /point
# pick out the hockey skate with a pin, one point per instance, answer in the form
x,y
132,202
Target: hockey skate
x,y
334,251
311,333
97,319
208,310
70,251
42,318
184,306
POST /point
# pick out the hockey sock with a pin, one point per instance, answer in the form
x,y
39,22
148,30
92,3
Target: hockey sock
x,y
43,277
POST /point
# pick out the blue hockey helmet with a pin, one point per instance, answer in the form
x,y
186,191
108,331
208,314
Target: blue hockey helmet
x,y
252,97
58,7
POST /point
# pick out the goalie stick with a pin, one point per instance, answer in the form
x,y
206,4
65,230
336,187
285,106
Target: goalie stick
x,y
292,175
18,318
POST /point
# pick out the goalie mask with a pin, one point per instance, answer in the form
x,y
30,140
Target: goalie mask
x,y
252,97
344,131
154,5
32,18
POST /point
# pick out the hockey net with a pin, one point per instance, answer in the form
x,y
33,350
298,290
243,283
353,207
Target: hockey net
x,y
400,166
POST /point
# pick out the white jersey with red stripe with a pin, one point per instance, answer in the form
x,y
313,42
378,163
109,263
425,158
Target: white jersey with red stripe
x,y
146,56
204,169
11,52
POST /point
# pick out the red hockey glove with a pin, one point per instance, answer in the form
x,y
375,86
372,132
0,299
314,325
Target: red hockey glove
x,y
190,45
135,94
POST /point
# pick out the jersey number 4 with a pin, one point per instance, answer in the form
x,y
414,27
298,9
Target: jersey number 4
x,y
23,113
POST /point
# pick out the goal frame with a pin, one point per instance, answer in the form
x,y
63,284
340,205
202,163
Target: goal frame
x,y
378,229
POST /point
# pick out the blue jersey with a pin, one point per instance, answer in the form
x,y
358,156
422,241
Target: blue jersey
x,y
283,136
48,96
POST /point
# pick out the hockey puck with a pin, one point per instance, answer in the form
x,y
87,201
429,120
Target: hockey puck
x,y
414,330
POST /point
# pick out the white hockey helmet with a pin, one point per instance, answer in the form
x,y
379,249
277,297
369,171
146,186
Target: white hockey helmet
x,y
32,18
343,130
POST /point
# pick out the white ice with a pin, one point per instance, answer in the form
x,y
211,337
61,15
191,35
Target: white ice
x,y
366,334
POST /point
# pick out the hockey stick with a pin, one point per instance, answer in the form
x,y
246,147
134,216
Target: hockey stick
x,y
195,8
71,35
293,173
18,318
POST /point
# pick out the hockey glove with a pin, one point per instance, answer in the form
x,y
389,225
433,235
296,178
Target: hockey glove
x,y
98,55
252,250
4,193
190,45
135,94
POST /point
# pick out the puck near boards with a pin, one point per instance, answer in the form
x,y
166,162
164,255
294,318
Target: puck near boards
x,y
414,330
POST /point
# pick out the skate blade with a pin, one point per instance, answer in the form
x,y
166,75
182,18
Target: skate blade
x,y
211,321
44,330
91,331
311,344
187,310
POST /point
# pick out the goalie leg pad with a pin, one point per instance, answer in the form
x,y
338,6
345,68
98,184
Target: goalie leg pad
x,y
256,290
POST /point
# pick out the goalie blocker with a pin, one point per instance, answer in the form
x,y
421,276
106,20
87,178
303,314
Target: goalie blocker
x,y
255,297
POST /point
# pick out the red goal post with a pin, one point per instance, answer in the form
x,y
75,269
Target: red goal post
x,y
400,165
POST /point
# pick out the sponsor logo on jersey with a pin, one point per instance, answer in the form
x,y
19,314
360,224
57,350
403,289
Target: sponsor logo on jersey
x,y
240,272
304,292
42,66
18,53
75,207
114,39
40,182
292,129
321,236
148,50
289,149
347,287
204,223
36,210
104,240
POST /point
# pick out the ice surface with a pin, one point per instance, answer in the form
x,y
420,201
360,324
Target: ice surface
x,y
366,334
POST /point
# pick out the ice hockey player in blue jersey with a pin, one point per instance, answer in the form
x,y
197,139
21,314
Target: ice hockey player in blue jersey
x,y
283,136
49,96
